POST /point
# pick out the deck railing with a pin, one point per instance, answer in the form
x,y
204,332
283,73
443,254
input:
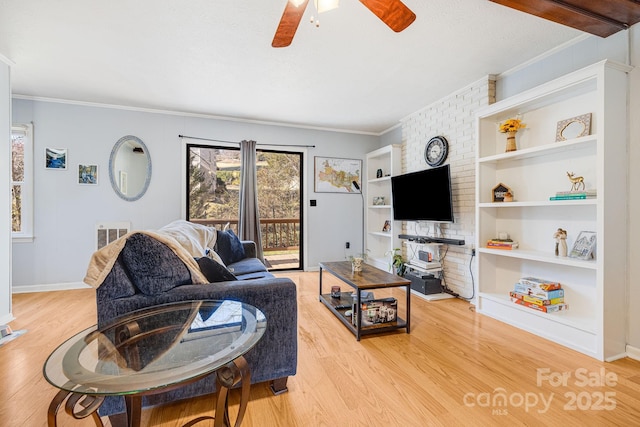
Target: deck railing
x,y
277,234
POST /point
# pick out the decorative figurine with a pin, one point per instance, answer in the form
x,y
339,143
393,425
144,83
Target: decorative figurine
x,y
561,242
577,182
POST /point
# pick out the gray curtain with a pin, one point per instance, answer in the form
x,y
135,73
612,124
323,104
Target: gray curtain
x,y
249,226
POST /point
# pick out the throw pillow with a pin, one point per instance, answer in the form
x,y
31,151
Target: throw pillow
x,y
210,253
117,284
213,271
229,247
153,266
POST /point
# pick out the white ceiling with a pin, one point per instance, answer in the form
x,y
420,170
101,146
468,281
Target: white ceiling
x,y
214,57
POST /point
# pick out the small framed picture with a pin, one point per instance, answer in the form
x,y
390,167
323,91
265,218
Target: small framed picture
x,y
387,226
88,174
378,201
584,246
55,158
575,127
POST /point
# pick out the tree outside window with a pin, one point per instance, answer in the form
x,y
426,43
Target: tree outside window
x,y
21,181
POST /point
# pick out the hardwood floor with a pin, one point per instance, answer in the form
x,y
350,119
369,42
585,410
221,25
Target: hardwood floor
x,y
455,368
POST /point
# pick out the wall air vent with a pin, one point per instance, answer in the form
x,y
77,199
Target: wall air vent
x,y
107,232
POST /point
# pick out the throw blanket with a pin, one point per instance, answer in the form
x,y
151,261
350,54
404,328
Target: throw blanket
x,y
102,260
195,238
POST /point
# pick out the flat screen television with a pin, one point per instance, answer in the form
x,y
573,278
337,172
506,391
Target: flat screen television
x,y
423,196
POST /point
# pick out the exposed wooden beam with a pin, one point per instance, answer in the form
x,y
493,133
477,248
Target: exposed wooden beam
x,y
602,18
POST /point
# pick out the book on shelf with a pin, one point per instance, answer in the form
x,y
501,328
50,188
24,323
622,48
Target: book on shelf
x,y
543,308
577,193
527,290
574,195
502,244
542,284
536,300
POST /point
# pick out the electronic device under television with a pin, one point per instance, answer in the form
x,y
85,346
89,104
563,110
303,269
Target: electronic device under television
x,y
423,196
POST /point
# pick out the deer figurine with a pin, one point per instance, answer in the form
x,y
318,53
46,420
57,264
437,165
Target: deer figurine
x,y
577,182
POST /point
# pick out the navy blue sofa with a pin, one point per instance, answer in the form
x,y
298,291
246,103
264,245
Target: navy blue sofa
x,y
148,273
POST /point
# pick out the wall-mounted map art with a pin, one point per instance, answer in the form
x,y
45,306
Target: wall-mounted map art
x,y
334,175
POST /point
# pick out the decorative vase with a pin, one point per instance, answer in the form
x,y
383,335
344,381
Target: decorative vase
x,y
356,264
511,141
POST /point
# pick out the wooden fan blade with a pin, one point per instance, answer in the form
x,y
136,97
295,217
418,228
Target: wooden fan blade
x,y
394,13
288,24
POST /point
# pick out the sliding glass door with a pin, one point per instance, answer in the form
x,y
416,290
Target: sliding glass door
x,y
213,189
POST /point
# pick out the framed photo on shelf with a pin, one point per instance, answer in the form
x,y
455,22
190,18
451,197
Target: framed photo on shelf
x,y
334,175
584,246
88,174
387,226
574,127
55,158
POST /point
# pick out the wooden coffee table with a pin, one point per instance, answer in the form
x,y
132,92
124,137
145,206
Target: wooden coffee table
x,y
366,280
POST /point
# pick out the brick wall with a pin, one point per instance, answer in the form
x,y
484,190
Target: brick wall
x,y
454,118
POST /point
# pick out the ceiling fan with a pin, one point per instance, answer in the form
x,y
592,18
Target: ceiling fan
x,y
394,13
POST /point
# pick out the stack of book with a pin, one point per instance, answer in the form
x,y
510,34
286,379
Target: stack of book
x,y
507,244
538,294
574,195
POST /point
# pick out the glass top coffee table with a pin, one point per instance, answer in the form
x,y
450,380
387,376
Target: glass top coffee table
x,y
154,350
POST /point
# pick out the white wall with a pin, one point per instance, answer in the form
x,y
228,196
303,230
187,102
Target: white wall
x,y
578,54
66,212
453,118
633,338
5,192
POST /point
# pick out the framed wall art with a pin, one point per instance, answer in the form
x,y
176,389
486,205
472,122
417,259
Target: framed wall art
x,y
88,174
585,246
55,158
334,175
575,127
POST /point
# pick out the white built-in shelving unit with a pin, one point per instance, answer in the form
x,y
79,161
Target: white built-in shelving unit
x,y
378,243
594,289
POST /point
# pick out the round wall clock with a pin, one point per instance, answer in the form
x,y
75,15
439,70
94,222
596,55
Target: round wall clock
x,y
435,153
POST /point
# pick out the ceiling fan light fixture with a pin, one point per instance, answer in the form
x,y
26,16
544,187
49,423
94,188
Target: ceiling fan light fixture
x,y
326,5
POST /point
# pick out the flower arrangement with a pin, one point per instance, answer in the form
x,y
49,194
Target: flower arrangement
x,y
511,125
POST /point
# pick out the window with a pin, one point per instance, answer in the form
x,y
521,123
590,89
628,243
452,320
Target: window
x,y
22,182
213,189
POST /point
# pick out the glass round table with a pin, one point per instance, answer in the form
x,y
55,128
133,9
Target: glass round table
x,y
154,350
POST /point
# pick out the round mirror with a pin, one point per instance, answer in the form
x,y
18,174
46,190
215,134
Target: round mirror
x,y
130,168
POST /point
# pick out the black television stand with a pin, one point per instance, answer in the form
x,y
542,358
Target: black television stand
x,y
425,239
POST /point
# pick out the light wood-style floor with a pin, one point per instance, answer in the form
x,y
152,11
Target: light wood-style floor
x,y
455,368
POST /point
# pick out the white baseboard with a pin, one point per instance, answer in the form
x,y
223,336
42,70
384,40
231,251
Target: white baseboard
x,y
49,287
633,352
5,320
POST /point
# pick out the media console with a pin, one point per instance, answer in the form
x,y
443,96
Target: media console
x,y
425,239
